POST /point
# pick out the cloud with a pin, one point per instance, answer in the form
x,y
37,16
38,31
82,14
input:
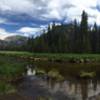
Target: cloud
x,y
48,9
28,31
15,6
42,8
24,31
30,16
4,34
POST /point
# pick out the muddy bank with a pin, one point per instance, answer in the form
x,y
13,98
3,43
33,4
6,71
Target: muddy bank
x,y
69,60
14,97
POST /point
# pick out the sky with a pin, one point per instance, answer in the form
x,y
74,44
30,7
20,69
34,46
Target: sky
x,y
30,17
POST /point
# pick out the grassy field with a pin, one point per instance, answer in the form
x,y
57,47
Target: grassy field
x,y
55,56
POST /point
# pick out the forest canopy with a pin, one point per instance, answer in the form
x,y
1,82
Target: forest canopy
x,y
75,37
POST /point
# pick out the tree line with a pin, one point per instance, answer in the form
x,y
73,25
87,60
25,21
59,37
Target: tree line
x,y
74,37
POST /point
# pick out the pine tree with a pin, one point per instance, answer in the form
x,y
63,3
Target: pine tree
x,y
94,38
76,37
84,34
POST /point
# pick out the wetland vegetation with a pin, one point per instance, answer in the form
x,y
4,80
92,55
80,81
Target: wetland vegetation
x,y
48,80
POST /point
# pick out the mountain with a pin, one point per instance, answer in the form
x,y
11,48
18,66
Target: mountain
x,y
15,42
17,39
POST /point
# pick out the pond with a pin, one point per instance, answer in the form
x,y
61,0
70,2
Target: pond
x,y
57,81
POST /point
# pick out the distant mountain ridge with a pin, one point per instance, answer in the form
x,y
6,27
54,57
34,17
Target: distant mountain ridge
x,y
15,38
14,42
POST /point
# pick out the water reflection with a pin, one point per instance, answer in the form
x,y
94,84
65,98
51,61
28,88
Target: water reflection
x,y
79,89
30,70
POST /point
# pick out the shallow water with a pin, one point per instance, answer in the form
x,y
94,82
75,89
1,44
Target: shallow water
x,y
37,86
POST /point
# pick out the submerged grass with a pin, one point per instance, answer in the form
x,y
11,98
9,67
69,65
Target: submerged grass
x,y
6,88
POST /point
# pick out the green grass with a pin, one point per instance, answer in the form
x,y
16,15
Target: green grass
x,y
11,68
6,88
54,56
87,74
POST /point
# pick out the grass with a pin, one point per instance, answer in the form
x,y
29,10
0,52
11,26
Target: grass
x,y
87,74
6,88
54,56
54,73
11,68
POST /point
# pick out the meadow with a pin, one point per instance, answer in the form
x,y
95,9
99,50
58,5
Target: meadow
x,y
60,57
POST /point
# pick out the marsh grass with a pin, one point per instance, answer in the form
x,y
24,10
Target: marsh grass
x,y
10,69
53,56
6,88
